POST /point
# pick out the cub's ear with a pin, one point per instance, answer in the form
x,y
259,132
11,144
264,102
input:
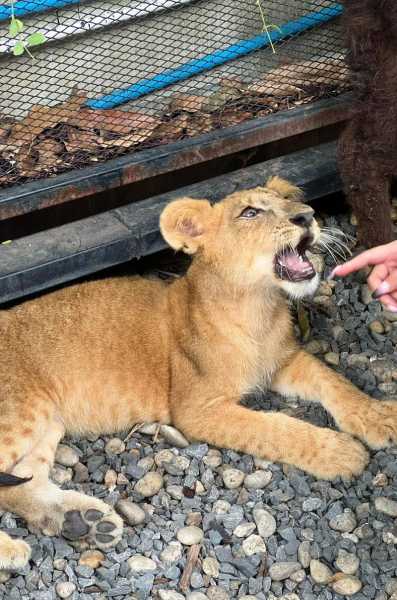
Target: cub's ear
x,y
284,188
184,222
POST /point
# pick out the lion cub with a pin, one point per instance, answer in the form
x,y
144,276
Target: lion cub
x,y
100,356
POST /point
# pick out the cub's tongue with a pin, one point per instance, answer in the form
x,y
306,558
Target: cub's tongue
x,y
293,262
293,266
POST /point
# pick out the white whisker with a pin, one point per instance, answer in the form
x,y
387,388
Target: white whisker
x,y
328,249
333,241
338,233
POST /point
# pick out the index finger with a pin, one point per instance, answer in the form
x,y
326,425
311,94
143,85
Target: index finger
x,y
374,256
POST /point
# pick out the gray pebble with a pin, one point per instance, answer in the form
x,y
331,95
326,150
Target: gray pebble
x,y
311,504
282,570
66,456
257,480
65,589
170,595
233,478
253,544
217,593
141,564
347,586
319,572
347,563
304,555
150,484
386,506
188,536
344,522
265,522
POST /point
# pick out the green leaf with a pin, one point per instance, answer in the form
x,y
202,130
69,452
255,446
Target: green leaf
x,y
303,322
16,26
18,49
36,39
272,26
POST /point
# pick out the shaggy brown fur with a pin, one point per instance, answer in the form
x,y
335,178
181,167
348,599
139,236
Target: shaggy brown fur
x,y
368,146
102,356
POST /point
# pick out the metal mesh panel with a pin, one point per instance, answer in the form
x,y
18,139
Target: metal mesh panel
x,y
117,76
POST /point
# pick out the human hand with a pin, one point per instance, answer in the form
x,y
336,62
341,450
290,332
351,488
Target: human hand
x,y
383,278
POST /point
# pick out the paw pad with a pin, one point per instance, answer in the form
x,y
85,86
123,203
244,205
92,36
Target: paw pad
x,y
105,527
93,515
74,527
93,527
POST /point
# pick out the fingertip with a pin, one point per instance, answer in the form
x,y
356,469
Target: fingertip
x,y
392,309
333,274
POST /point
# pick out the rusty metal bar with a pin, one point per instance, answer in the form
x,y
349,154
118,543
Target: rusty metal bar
x,y
131,168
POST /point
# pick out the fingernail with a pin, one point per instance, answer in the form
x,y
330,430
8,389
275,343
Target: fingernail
x,y
392,309
384,288
333,274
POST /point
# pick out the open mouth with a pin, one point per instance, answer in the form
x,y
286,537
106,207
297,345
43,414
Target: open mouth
x,y
293,264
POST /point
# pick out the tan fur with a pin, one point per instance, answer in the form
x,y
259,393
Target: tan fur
x,y
101,356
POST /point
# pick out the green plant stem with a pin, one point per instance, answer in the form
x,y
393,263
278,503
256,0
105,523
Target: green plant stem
x,y
29,52
265,26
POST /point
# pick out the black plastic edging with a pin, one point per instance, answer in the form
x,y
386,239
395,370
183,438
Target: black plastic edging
x,y
65,253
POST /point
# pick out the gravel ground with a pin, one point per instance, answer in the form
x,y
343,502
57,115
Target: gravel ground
x,y
262,530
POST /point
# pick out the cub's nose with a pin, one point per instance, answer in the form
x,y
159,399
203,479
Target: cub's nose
x,y
303,219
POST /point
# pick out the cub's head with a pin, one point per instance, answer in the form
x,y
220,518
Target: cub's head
x,y
260,237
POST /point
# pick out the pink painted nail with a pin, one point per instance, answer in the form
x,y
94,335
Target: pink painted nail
x,y
332,274
384,288
392,309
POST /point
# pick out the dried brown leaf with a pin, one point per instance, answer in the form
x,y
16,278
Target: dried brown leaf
x,y
233,117
271,87
233,83
218,100
197,124
5,130
291,79
79,139
184,102
171,130
127,141
114,121
27,161
303,322
44,117
48,151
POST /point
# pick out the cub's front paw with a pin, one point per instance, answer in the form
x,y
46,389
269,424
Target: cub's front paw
x,y
379,424
335,455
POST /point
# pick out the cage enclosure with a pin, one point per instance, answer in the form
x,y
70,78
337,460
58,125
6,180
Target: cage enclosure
x,y
98,94
84,82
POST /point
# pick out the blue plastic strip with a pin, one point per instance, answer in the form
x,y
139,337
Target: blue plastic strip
x,y
217,58
22,8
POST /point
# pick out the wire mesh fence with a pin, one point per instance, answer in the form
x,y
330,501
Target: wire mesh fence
x,y
85,81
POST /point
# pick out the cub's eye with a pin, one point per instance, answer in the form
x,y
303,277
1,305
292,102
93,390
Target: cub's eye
x,y
250,212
